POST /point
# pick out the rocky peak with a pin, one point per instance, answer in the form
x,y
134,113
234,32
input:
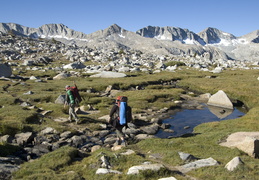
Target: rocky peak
x,y
213,35
151,39
171,33
252,37
113,29
53,28
19,29
59,31
45,31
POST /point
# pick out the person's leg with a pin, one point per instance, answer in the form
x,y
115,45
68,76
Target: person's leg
x,y
120,137
123,142
72,112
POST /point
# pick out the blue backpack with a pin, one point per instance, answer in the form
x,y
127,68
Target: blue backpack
x,y
122,104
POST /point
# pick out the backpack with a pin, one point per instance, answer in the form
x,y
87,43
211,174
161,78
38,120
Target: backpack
x,y
76,94
71,98
123,109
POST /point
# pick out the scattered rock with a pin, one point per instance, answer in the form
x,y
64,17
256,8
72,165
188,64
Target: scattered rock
x,y
151,130
28,93
143,167
95,148
61,76
48,130
197,164
168,178
60,99
107,171
217,70
24,138
128,152
233,164
109,74
116,148
74,65
5,70
245,141
8,165
6,139
187,157
105,162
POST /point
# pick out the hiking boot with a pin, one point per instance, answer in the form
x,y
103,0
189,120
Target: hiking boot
x,y
117,142
123,143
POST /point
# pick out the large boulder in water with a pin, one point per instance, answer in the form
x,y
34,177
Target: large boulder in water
x,y
220,112
5,70
220,99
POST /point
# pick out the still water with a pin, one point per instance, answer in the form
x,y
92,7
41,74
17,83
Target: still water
x,y
184,121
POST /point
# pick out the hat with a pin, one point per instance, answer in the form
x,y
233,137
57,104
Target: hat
x,y
67,86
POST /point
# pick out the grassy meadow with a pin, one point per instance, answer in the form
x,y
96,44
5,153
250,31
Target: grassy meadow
x,y
239,85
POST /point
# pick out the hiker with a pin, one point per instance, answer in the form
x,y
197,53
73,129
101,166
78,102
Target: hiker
x,y
117,115
71,102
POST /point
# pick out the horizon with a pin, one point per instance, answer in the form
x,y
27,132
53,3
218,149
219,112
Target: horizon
x,y
237,18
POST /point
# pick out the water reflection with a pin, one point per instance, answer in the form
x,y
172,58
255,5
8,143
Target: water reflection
x,y
184,121
220,112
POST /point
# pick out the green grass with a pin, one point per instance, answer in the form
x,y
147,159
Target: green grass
x,y
62,164
239,85
15,118
47,166
148,98
172,63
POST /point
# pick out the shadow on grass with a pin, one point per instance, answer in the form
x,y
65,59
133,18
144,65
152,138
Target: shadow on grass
x,y
189,135
86,120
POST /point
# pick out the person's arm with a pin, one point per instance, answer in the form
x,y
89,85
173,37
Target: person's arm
x,y
75,84
113,110
130,114
66,99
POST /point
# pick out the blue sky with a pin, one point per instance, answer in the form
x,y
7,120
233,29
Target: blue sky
x,y
238,17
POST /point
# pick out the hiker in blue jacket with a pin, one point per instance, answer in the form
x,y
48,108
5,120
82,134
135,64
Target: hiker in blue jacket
x,y
115,119
71,102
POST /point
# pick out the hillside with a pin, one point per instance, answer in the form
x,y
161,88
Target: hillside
x,y
172,41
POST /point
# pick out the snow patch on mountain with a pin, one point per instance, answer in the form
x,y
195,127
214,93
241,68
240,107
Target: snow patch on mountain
x,y
62,37
227,42
161,37
121,34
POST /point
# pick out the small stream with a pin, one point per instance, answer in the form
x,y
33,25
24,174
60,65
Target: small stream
x,y
183,122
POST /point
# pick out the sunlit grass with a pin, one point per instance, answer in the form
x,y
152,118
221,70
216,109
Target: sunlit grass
x,y
239,85
47,165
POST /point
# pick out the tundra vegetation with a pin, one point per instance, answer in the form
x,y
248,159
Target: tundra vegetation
x,y
240,85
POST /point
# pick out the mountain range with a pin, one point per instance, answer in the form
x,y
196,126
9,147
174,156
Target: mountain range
x,y
211,42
